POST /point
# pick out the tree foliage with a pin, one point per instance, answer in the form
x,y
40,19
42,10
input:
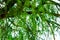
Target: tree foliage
x,y
25,19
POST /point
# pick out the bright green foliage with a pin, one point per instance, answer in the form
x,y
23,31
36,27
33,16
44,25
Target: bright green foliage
x,y
25,19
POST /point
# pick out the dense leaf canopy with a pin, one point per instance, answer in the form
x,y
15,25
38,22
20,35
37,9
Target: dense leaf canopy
x,y
28,19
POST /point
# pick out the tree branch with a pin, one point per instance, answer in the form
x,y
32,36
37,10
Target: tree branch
x,y
6,8
55,3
